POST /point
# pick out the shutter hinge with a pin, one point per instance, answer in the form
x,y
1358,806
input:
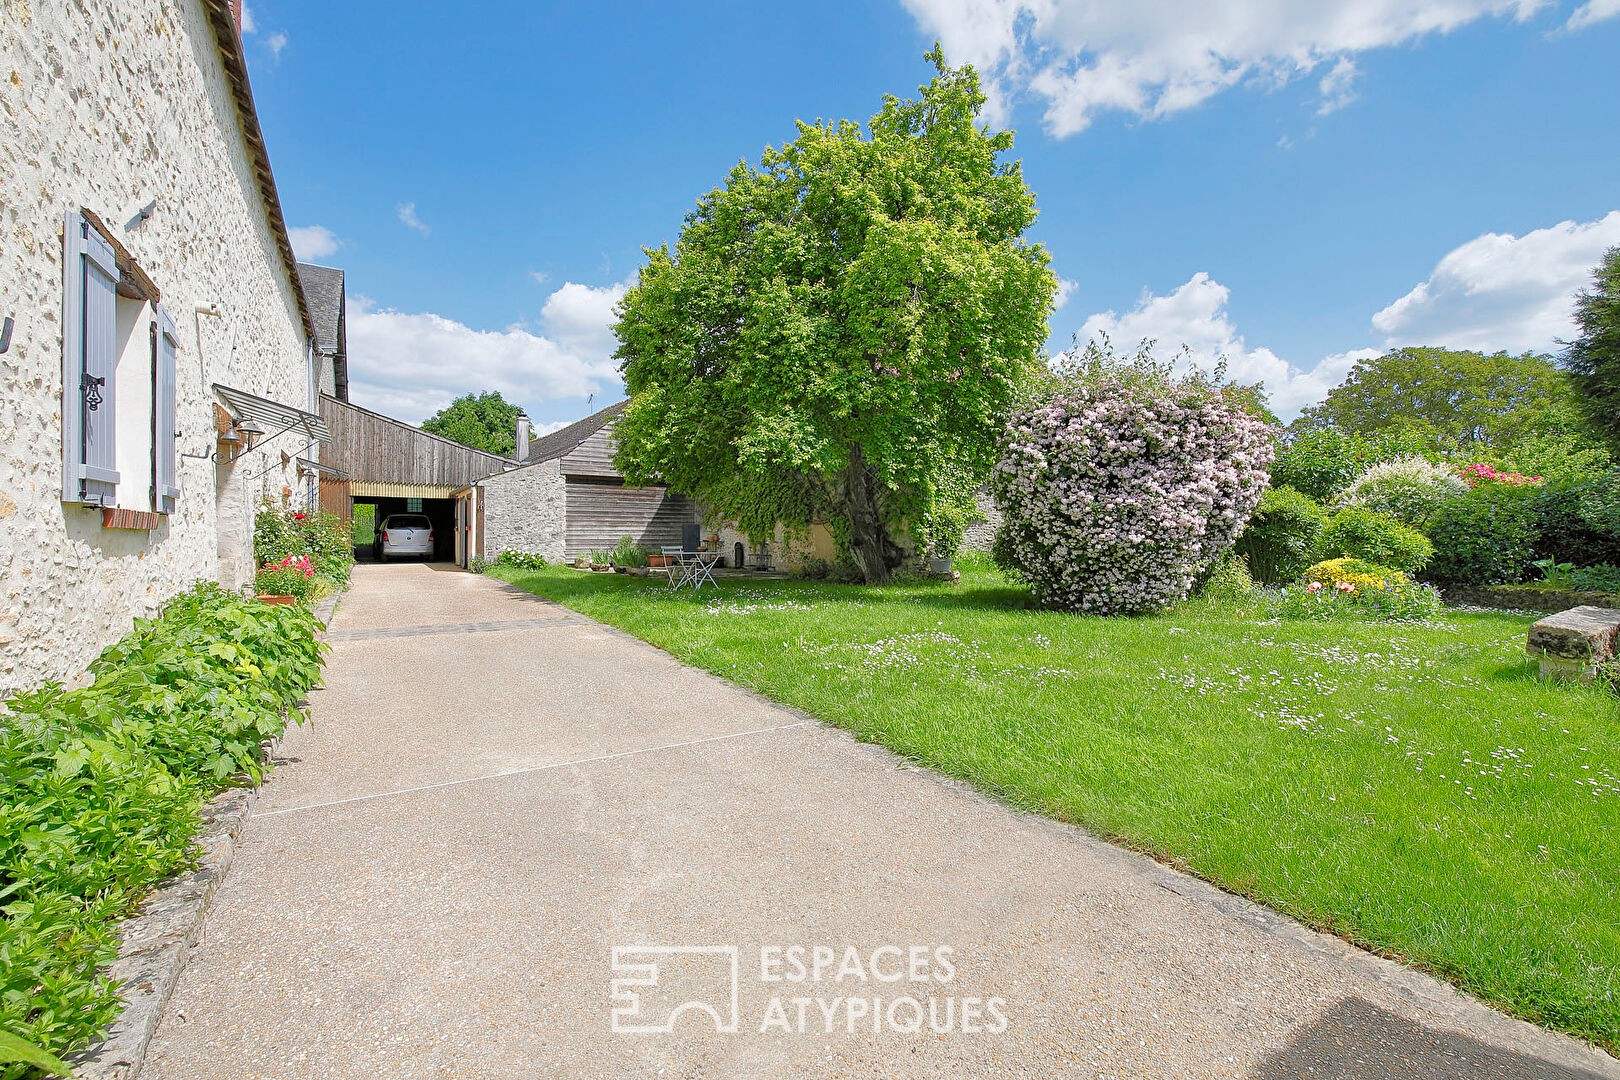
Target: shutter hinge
x,y
91,385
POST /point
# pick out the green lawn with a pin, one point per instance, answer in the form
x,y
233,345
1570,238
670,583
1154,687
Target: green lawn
x,y
1412,788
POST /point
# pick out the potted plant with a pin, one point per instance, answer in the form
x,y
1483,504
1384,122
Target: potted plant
x,y
289,581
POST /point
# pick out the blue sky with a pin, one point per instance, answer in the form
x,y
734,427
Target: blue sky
x,y
1287,183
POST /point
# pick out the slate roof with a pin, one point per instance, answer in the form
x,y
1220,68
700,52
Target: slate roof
x,y
564,440
323,288
323,292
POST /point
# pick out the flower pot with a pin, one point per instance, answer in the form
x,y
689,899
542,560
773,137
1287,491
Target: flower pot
x,y
274,598
658,560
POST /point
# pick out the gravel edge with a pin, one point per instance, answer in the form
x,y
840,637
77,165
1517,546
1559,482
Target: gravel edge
x,y
155,942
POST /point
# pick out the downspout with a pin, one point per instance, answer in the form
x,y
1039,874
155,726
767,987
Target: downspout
x,y
312,483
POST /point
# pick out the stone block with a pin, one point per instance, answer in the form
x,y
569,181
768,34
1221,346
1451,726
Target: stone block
x,y
1573,644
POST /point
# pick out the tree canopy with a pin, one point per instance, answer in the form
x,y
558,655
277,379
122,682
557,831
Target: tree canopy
x,y
1463,399
841,332
484,421
1594,355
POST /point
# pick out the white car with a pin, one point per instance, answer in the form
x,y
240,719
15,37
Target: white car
x,y
404,534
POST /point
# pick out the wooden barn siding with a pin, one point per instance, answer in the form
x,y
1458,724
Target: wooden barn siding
x,y
367,446
335,498
598,514
593,457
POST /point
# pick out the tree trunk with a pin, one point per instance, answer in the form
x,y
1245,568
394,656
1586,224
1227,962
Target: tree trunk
x,y
868,540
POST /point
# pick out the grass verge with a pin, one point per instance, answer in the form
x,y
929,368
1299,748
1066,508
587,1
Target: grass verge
x,y
1412,788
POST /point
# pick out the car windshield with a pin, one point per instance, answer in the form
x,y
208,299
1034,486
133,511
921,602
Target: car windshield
x,y
409,521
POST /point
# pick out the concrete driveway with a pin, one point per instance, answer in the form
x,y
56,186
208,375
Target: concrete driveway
x,y
515,843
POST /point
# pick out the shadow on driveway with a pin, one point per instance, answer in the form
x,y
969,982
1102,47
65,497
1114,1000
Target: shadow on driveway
x,y
1359,1041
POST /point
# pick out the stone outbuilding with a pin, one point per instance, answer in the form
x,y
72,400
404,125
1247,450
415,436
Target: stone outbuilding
x,y
157,350
565,498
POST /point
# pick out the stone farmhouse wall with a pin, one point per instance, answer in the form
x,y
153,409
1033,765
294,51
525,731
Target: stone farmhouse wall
x,y
526,510
981,534
108,107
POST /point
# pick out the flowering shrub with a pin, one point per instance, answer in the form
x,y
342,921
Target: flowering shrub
x,y
292,576
1350,575
324,538
1282,537
1376,537
1118,491
1355,589
1407,488
523,560
1480,474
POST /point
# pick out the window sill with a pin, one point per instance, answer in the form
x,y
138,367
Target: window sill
x,y
130,519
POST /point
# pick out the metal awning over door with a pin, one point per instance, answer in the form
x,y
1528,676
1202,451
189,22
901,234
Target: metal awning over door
x,y
275,416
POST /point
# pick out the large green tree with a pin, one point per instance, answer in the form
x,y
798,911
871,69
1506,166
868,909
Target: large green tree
x,y
484,421
840,332
1594,355
1466,400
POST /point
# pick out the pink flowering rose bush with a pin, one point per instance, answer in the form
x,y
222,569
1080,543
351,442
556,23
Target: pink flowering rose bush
x,y
1119,491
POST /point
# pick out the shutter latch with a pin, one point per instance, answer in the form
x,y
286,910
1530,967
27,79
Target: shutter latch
x,y
91,385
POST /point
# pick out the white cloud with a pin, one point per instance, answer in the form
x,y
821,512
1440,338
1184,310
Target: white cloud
x,y
1151,58
248,25
312,241
407,217
275,43
540,276
1593,11
1338,86
411,365
1499,291
1065,289
1195,316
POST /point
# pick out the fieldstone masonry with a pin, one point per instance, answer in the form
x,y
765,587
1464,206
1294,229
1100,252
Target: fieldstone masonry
x,y
111,107
526,510
1574,643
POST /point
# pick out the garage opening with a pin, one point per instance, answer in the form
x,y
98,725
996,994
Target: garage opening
x,y
440,514
369,506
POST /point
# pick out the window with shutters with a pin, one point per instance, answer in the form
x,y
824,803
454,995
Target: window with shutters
x,y
118,380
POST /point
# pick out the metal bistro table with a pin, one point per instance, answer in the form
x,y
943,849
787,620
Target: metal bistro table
x,y
691,567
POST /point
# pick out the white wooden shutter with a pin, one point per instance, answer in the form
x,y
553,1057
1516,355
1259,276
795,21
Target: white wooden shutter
x,y
89,363
166,480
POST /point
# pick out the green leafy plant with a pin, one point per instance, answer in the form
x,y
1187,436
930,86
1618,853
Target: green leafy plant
x,y
100,789
486,422
523,560
1487,537
1376,537
13,1049
629,553
1603,578
1283,536
1228,580
1319,462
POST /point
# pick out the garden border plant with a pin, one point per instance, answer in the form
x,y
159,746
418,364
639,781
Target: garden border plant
x,y
101,788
